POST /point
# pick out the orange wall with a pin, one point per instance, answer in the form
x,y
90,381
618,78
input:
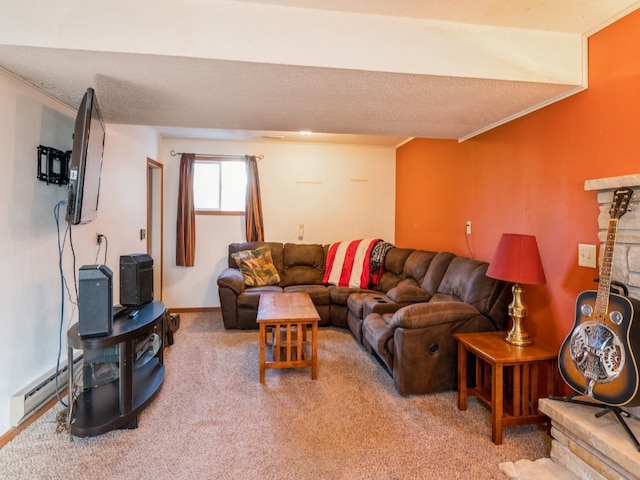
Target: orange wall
x,y
528,177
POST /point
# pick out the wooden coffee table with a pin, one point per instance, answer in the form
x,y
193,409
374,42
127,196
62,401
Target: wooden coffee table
x,y
288,315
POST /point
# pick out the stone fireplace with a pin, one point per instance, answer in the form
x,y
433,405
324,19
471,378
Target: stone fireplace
x,y
626,257
586,445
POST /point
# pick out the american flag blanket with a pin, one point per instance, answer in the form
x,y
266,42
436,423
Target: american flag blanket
x,y
349,263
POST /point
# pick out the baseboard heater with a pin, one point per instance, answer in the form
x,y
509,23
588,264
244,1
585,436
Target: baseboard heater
x,y
28,400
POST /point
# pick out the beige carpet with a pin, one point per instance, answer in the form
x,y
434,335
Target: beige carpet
x,y
213,420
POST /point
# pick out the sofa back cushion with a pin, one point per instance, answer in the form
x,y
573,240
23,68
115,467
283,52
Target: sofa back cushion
x,y
435,273
393,268
415,267
466,279
303,264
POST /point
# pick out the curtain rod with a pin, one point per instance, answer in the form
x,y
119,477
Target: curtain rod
x,y
240,157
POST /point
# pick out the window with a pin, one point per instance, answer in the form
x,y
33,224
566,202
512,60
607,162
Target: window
x,y
219,187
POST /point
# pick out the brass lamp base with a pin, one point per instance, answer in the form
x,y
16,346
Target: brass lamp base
x,y
518,311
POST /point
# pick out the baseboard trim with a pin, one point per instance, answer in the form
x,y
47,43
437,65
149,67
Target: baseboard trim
x,y
13,433
194,309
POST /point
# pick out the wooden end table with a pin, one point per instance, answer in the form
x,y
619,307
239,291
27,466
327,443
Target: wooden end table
x,y
288,315
507,379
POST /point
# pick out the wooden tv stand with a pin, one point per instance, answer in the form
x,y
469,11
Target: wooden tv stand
x,y
116,404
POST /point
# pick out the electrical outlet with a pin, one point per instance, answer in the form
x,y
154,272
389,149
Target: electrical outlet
x,y
468,227
586,255
98,238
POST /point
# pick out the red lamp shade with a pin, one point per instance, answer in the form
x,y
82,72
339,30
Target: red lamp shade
x,y
517,260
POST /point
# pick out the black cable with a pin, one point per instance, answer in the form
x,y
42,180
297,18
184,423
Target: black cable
x,y
102,237
56,215
66,284
73,256
106,248
472,253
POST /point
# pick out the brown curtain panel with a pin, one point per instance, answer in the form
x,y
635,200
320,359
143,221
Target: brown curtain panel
x,y
186,225
253,204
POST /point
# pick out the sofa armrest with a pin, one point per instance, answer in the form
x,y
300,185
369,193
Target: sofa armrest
x,y
408,294
422,315
233,279
379,304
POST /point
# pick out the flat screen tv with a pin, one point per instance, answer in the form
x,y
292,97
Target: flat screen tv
x,y
85,166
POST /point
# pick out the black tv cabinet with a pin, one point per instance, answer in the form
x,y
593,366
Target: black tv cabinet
x,y
116,404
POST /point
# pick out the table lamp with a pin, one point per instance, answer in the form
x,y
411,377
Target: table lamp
x,y
517,260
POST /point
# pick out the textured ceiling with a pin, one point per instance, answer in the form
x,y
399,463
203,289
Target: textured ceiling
x,y
364,78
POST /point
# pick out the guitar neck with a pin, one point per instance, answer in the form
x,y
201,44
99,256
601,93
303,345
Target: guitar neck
x,y
604,287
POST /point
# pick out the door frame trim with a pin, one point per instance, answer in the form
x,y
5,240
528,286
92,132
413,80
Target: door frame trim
x,y
153,164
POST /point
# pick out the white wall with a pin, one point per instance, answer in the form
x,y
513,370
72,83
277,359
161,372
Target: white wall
x,y
339,192
29,277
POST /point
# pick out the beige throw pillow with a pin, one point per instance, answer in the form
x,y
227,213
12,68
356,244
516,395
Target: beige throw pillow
x,y
257,267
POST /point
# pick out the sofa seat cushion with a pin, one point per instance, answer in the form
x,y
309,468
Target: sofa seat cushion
x,y
250,298
340,295
408,294
377,333
319,293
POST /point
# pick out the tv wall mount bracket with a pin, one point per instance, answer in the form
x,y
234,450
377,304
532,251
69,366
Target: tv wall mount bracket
x,y
53,165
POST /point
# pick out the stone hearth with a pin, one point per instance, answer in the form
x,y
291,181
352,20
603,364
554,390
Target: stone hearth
x,y
583,447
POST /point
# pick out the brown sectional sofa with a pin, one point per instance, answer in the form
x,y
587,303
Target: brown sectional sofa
x,y
406,321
